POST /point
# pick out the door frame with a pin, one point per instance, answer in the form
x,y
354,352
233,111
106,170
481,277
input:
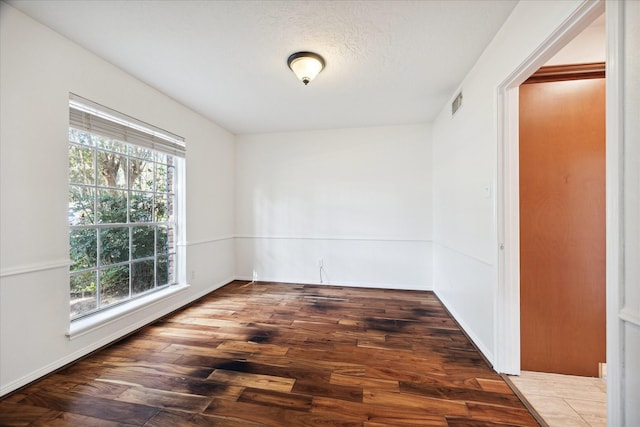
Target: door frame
x,y
507,315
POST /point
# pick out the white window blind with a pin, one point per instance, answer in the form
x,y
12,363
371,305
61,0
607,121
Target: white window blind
x,y
92,117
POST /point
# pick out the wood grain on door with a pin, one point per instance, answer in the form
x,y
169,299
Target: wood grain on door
x,y
562,226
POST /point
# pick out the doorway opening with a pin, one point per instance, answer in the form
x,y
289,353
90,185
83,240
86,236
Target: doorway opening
x,y
562,241
508,314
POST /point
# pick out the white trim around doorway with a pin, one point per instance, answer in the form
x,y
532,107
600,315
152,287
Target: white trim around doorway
x,y
507,330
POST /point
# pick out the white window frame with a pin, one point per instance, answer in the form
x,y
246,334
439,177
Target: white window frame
x,y
87,116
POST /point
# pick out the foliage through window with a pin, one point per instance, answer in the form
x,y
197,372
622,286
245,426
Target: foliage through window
x,y
122,220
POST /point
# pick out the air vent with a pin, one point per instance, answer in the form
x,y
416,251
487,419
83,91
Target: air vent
x,y
456,104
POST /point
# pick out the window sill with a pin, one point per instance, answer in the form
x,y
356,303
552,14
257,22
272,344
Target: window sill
x,y
88,324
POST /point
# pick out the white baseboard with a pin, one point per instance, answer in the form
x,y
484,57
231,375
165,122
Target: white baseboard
x,y
345,284
468,330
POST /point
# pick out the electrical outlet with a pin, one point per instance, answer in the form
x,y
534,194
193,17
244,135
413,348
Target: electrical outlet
x,y
193,275
320,262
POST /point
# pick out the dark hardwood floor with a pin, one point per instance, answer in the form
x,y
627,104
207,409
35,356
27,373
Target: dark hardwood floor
x,y
270,354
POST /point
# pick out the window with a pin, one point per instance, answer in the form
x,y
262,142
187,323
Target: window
x,y
123,202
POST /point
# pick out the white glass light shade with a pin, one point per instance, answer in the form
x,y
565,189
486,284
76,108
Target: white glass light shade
x,y
306,65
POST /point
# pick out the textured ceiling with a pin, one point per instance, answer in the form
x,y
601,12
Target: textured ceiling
x,y
387,62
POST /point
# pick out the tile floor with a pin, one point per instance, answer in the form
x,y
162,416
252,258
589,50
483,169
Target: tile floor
x,y
564,400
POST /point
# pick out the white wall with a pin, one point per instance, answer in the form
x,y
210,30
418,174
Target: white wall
x,y
359,199
465,170
588,46
38,69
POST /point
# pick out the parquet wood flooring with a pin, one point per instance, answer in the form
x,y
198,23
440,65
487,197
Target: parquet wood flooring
x,y
273,354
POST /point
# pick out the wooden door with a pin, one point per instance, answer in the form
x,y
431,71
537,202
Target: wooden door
x,y
562,226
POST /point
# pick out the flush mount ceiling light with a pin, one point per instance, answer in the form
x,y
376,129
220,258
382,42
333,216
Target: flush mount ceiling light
x,y
306,65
